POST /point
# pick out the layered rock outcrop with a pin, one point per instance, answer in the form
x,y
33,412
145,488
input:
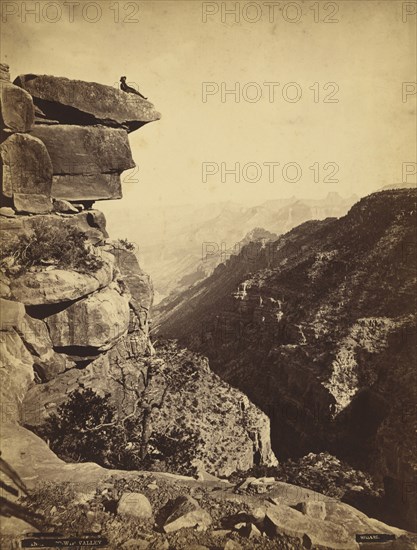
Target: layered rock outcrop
x,y
86,160
86,103
75,148
75,304
26,173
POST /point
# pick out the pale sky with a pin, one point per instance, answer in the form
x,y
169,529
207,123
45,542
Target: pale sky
x,y
170,52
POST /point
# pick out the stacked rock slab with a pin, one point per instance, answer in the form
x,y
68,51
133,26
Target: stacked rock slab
x,y
86,103
53,318
86,160
69,327
26,169
65,139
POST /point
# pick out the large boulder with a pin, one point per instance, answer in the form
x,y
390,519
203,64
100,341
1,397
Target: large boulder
x,y
86,150
87,161
17,109
11,314
55,286
26,170
319,521
97,321
282,519
186,513
86,103
134,505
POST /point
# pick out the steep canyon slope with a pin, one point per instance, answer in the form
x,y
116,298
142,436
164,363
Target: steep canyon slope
x,y
318,328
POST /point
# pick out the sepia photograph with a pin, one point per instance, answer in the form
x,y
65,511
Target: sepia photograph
x,y
208,274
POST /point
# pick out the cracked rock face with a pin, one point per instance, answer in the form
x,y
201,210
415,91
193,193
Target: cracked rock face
x,y
57,286
86,103
97,321
26,165
86,161
85,150
16,107
138,282
16,374
47,364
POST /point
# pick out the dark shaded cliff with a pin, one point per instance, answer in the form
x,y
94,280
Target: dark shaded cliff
x,y
318,328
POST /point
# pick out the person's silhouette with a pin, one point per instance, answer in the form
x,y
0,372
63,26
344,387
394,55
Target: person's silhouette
x,y
128,89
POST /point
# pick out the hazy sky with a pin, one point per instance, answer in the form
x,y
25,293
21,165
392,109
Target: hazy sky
x,y
169,51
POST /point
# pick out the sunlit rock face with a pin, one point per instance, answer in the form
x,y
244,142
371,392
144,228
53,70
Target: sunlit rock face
x,y
17,109
86,103
86,161
97,321
77,304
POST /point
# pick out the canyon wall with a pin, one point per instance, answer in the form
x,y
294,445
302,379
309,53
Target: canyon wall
x,y
75,304
318,328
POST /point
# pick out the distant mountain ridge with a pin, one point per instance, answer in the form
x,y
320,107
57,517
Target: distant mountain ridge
x,y
318,329
178,258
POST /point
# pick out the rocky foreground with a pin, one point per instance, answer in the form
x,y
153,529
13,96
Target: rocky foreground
x,y
153,510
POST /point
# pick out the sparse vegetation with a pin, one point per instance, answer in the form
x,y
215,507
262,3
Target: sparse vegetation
x,y
126,244
84,429
177,449
88,428
61,246
321,472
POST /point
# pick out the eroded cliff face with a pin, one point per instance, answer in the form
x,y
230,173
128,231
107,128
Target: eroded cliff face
x,y
318,329
75,304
